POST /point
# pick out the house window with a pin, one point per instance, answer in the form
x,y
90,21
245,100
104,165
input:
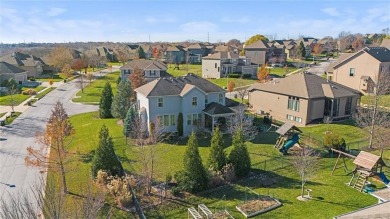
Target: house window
x,y
173,120
336,106
220,98
218,69
351,72
166,120
160,102
293,103
294,118
215,65
195,119
348,106
206,100
256,54
194,101
152,72
189,119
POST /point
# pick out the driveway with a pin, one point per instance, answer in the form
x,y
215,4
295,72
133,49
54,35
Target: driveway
x,y
15,177
321,67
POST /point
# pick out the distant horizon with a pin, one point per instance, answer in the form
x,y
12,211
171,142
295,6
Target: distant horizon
x,y
43,21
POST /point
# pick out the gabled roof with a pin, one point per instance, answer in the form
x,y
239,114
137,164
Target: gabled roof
x,y
146,47
217,109
282,130
175,49
145,65
177,86
261,44
386,43
197,46
381,54
21,59
377,211
8,68
366,160
305,85
222,55
133,46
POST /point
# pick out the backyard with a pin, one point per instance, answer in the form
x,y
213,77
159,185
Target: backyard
x,y
93,91
383,101
18,98
330,194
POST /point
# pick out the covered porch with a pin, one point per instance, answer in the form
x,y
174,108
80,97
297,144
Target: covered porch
x,y
217,115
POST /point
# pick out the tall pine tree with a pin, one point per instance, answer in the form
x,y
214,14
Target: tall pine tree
x,y
105,157
106,102
194,175
239,156
217,158
122,100
301,52
129,121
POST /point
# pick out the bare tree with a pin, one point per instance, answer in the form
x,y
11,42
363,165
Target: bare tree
x,y
82,82
306,165
60,56
241,91
374,116
244,123
94,61
123,56
67,70
56,140
12,89
345,40
358,42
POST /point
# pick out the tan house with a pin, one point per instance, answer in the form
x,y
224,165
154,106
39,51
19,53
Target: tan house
x,y
32,64
303,98
8,71
360,70
386,43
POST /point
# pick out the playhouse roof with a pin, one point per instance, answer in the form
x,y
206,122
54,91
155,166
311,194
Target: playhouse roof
x,y
366,160
285,128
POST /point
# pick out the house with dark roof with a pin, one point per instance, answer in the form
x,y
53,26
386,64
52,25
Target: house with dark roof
x,y
32,64
175,54
303,98
219,65
152,69
196,52
361,70
8,71
103,52
148,50
309,44
201,103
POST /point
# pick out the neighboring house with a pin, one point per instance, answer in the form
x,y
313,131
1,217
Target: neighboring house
x,y
326,46
226,48
386,43
303,98
219,65
148,51
133,50
371,38
33,65
196,52
360,70
104,53
200,102
175,54
152,69
258,52
8,71
377,211
309,44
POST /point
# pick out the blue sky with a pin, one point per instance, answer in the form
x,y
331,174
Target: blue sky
x,y
134,21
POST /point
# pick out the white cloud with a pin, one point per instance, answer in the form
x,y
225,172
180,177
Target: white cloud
x,y
331,12
55,11
153,20
198,26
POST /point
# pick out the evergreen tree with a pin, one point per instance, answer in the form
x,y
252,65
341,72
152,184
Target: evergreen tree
x,y
129,121
105,157
217,158
122,100
239,156
141,53
301,50
106,102
180,124
194,176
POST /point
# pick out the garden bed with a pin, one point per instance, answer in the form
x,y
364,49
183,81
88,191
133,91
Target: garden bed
x,y
258,206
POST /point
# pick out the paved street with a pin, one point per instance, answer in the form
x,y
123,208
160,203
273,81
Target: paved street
x,y
321,67
15,176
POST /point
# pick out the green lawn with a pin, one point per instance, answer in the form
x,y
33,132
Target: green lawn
x,y
331,195
37,89
383,101
18,99
223,82
93,92
9,120
56,78
192,68
281,72
42,94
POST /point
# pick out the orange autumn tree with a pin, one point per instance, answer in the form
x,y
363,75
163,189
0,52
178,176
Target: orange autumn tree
x,y
137,79
156,53
262,75
231,86
54,140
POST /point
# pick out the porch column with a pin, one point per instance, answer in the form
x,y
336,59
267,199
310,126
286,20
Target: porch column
x,y
331,108
212,123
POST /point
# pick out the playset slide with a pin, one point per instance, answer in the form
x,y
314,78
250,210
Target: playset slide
x,y
383,178
289,143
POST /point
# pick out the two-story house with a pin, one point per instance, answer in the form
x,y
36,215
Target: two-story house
x,y
32,64
361,70
199,102
196,52
258,52
148,50
8,71
219,65
175,54
303,98
152,69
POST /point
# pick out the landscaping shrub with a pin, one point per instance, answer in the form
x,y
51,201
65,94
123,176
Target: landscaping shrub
x,y
234,75
176,191
29,92
246,75
215,178
335,141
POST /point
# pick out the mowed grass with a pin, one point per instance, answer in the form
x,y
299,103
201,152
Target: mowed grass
x,y
192,68
55,77
281,72
384,100
93,91
331,195
16,99
223,82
